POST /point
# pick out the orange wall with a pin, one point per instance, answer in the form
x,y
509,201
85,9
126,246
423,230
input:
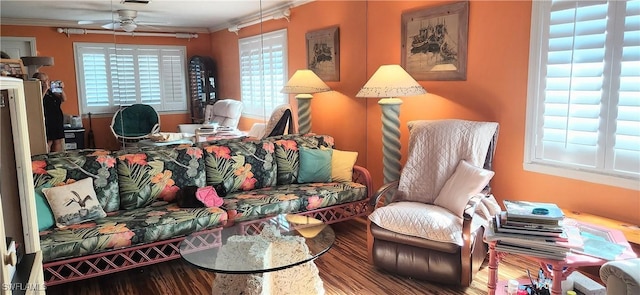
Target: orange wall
x,y
337,112
51,43
495,89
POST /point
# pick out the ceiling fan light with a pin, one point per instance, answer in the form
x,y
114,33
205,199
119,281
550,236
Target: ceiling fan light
x,y
128,26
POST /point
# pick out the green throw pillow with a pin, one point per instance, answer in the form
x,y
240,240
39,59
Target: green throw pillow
x,y
315,165
43,211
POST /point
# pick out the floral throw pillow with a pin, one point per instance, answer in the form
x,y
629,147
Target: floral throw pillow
x,y
158,174
74,203
68,167
241,166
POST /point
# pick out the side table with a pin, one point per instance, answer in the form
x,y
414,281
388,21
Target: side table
x,y
558,270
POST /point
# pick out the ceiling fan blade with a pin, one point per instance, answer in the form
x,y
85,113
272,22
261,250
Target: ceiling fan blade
x,y
90,22
111,26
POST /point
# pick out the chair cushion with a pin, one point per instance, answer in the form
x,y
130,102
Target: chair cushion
x,y
126,228
465,182
420,220
291,198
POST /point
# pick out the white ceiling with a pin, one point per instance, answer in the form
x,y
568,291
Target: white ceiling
x,y
166,15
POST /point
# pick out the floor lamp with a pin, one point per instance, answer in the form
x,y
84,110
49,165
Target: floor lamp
x,y
391,82
303,83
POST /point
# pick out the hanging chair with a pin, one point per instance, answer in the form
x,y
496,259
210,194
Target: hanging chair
x,y
135,122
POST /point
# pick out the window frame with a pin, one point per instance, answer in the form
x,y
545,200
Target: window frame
x,y
167,104
540,15
265,111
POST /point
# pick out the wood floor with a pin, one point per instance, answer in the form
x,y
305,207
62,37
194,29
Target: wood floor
x,y
343,269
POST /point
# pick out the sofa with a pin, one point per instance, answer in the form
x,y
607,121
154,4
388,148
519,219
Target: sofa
x,y
138,221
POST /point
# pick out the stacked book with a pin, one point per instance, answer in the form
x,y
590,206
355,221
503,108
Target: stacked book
x,y
533,228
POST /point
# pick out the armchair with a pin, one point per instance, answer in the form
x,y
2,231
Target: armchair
x,y
433,226
135,122
225,112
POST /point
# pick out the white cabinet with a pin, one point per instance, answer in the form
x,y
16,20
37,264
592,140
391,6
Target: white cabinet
x,y
16,191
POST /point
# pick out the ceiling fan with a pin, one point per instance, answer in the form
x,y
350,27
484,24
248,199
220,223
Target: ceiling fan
x,y
126,21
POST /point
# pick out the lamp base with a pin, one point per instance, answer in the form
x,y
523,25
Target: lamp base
x,y
390,138
304,113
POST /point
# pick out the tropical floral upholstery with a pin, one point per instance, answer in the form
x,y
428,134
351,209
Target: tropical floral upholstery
x,y
127,228
289,198
158,174
287,152
65,168
241,166
137,187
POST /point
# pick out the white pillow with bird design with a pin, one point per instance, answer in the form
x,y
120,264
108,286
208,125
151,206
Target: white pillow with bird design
x,y
74,203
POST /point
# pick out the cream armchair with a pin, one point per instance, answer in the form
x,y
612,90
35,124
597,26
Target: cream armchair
x,y
432,229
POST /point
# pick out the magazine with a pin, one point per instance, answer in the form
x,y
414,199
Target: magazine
x,y
526,231
534,211
507,223
491,234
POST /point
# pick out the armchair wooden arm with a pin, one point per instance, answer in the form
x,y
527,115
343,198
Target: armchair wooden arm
x,y
382,191
467,217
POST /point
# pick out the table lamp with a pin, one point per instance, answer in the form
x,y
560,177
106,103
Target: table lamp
x,y
390,82
303,83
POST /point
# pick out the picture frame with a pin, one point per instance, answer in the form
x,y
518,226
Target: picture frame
x,y
434,42
12,68
323,53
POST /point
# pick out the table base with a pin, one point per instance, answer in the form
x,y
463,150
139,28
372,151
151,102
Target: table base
x,y
301,279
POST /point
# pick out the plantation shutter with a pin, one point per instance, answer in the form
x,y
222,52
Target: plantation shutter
x,y
112,76
275,76
587,121
262,72
627,134
123,77
94,76
149,75
173,77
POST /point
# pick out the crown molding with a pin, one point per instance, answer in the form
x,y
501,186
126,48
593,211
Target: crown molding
x,y
73,24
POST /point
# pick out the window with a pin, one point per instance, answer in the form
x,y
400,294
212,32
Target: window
x,y
263,73
583,110
111,76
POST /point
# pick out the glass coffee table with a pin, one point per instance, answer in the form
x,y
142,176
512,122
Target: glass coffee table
x,y
274,255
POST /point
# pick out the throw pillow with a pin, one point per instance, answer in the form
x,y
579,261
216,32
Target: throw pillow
x,y
342,165
74,203
315,165
465,182
43,211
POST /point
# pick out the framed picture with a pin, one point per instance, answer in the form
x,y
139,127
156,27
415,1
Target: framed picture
x,y
434,42
12,68
323,53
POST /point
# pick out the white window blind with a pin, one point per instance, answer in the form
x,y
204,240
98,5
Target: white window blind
x,y
111,76
583,114
263,72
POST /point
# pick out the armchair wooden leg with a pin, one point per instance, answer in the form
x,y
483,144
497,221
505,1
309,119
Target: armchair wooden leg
x,y
369,243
